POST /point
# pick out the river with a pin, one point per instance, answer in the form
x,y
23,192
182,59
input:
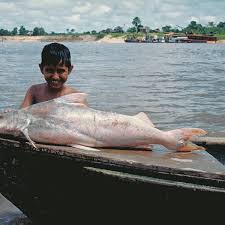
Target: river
x,y
177,85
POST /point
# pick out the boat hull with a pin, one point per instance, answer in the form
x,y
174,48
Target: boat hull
x,y
57,185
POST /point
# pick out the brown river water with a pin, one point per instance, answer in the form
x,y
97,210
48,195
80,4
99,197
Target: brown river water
x,y
177,85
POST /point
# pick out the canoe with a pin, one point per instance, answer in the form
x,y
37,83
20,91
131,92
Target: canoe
x,y
54,184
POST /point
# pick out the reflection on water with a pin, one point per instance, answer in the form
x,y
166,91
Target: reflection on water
x,y
10,215
177,85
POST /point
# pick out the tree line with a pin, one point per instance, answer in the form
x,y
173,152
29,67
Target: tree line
x,y
192,27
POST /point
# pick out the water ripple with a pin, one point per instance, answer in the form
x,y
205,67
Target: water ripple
x,y
176,84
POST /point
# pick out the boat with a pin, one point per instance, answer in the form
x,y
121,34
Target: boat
x,y
137,41
198,38
146,39
189,38
175,38
59,184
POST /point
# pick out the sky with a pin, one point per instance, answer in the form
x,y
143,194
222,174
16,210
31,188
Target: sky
x,y
88,15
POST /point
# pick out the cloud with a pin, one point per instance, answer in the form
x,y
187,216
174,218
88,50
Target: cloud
x,y
101,10
82,7
43,4
132,5
5,6
95,9
57,15
73,19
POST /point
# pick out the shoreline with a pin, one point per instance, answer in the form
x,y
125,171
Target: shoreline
x,y
63,38
70,38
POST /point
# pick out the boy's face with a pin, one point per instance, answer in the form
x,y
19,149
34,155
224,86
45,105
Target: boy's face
x,y
55,76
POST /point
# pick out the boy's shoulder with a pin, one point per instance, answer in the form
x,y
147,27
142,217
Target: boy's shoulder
x,y
37,86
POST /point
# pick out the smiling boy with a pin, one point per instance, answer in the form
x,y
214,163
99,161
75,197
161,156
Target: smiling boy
x,y
56,67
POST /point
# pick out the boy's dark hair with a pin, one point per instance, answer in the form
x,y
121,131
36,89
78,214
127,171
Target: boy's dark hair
x,y
55,53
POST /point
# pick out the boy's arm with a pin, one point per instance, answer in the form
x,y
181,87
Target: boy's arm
x,y
28,99
82,100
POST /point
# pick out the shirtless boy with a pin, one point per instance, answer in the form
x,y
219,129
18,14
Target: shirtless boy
x,y
56,67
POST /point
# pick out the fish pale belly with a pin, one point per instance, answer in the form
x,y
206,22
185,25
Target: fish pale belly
x,y
94,129
60,134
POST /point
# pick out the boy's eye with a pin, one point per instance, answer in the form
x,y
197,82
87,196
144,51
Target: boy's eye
x,y
60,71
48,70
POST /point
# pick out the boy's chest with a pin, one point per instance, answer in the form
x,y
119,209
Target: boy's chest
x,y
43,96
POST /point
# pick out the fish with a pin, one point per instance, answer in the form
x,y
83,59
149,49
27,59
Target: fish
x,y
67,121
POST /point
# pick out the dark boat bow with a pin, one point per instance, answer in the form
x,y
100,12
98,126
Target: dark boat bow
x,y
52,182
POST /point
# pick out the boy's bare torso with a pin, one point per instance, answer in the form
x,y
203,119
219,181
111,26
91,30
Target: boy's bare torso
x,y
41,93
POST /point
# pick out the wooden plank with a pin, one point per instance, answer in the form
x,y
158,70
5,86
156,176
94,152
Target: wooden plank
x,y
210,141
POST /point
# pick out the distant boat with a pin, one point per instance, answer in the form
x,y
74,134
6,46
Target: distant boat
x,y
146,40
190,38
201,38
137,41
177,39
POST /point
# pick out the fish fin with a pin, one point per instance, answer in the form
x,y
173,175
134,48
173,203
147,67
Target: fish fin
x,y
84,147
145,118
25,132
182,139
190,146
79,98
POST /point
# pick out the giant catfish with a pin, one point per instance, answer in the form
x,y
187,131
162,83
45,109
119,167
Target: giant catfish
x,y
66,121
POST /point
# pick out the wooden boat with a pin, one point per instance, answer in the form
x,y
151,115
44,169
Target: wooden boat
x,y
137,41
58,184
201,38
192,41
190,38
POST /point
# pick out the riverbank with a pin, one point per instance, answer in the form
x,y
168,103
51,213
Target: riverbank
x,y
49,38
64,38
71,38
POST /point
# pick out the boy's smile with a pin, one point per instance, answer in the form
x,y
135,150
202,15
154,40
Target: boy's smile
x,y
56,76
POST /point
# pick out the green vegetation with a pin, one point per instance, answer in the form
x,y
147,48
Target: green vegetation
x,y
220,36
133,32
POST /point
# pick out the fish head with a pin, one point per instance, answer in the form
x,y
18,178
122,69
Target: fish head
x,y
9,122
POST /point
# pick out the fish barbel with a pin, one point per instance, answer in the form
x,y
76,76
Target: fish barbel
x,y
66,121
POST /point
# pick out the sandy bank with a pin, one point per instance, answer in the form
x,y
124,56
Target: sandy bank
x,y
63,38
220,42
56,38
20,38
110,39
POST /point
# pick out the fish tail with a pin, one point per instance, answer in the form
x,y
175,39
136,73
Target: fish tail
x,y
180,139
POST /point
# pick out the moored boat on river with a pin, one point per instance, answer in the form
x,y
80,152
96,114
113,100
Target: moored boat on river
x,y
190,38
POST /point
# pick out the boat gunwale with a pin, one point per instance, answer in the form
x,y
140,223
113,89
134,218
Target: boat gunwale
x,y
106,162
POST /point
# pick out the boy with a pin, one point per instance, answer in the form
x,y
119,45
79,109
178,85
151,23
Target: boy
x,y
56,67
